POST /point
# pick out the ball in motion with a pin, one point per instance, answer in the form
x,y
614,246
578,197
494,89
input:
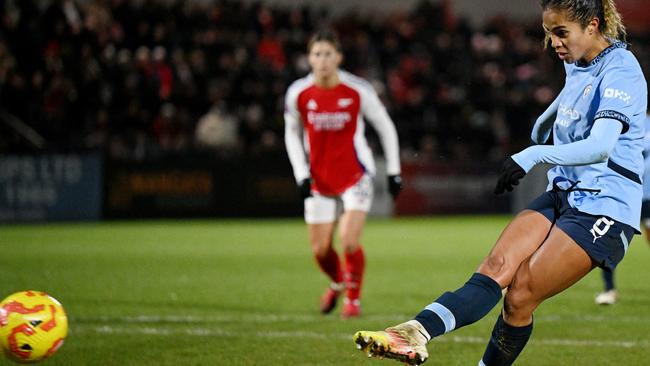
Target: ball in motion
x,y
33,326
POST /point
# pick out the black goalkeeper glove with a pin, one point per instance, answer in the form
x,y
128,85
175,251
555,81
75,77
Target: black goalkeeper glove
x,y
305,188
394,185
509,176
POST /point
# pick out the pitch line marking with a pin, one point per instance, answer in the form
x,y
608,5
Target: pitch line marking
x,y
216,332
309,318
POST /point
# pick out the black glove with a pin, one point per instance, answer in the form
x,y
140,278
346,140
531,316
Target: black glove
x,y
394,185
509,176
305,188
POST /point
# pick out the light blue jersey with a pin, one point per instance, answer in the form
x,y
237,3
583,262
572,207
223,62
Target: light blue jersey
x,y
611,86
646,158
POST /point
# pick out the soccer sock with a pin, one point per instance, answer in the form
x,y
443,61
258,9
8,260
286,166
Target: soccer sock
x,y
462,307
506,343
355,263
608,277
331,265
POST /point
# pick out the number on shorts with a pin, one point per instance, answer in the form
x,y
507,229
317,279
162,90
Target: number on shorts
x,y
597,231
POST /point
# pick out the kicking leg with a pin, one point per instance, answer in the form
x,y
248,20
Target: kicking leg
x,y
555,266
407,342
482,292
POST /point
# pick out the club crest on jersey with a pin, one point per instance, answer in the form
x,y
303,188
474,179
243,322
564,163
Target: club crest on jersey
x,y
586,91
345,102
311,105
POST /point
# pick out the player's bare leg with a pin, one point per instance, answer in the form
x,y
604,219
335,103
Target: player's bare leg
x,y
518,241
555,266
320,237
350,230
407,342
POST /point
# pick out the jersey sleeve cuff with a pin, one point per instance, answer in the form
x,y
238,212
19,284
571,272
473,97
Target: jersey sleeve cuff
x,y
524,159
618,116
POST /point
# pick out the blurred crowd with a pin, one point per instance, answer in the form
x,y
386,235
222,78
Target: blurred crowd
x,y
142,79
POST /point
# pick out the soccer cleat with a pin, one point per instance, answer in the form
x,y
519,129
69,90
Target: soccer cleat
x,y
351,308
403,342
330,297
606,298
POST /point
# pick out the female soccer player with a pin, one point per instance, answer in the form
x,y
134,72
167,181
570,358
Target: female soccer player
x,y
333,164
610,295
590,212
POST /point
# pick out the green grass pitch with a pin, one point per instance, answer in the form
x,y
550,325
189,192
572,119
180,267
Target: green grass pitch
x,y
245,292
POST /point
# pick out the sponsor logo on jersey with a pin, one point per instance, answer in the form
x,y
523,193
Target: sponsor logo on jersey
x,y
329,121
311,105
565,110
345,102
619,94
586,91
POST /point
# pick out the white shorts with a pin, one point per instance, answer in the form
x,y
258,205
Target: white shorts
x,y
325,209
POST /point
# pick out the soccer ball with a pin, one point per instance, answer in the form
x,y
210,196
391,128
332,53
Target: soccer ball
x,y
32,326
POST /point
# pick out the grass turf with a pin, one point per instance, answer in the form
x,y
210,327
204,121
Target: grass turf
x,y
246,293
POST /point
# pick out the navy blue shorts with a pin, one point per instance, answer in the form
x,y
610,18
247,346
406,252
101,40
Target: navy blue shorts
x,y
604,239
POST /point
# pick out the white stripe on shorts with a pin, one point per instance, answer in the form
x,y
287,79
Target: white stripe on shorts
x,y
626,243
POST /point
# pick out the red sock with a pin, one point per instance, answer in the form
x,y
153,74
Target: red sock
x,y
331,265
355,263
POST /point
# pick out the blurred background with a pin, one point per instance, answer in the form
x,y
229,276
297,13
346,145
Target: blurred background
x,y
115,109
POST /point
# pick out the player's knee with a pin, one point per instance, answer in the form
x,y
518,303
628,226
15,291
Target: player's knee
x,y
349,243
493,265
519,301
320,248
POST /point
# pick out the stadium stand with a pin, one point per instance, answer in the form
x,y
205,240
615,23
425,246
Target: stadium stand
x,y
133,79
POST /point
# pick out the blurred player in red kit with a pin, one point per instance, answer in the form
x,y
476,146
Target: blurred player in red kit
x,y
325,114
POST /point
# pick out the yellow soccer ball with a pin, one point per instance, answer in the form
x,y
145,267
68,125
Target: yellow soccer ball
x,y
33,326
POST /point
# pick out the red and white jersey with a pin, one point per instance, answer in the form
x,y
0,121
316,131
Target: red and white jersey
x,y
334,142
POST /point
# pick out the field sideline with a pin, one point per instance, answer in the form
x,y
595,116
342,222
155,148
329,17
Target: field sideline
x,y
245,292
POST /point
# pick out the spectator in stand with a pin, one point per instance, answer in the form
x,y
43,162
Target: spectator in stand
x,y
75,58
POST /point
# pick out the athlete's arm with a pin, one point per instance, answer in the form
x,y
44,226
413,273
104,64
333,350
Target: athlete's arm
x,y
293,139
544,123
595,148
375,112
